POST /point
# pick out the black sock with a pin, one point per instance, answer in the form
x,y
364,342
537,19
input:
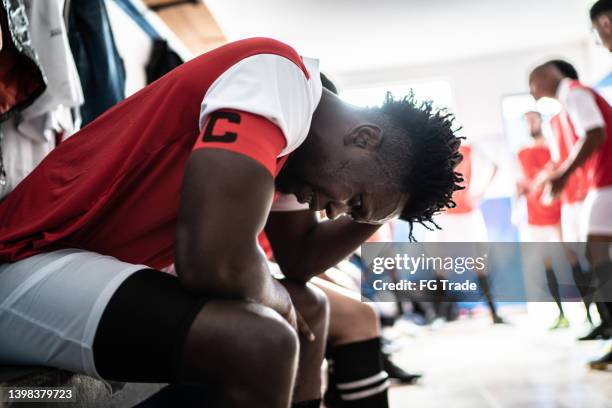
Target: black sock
x,y
307,404
603,274
553,287
602,309
583,283
485,289
356,372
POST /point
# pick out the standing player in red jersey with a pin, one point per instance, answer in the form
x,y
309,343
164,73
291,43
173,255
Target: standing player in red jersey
x,y
186,171
572,199
589,117
543,220
465,222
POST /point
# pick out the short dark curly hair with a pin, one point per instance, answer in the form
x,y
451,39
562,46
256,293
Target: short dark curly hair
x,y
564,67
421,151
599,8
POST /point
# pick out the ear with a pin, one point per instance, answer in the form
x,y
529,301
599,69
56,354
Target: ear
x,y
365,136
605,23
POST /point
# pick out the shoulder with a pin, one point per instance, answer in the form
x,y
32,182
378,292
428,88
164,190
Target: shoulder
x,y
525,152
261,45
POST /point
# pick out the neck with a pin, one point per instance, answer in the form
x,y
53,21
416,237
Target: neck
x,y
539,139
332,118
556,86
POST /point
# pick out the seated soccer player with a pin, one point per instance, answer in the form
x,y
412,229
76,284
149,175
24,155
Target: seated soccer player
x,y
187,171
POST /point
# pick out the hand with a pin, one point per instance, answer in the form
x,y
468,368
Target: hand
x,y
556,183
295,319
289,313
522,189
540,180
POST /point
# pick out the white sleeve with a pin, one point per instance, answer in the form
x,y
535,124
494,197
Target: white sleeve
x,y
271,86
482,168
551,141
583,111
288,202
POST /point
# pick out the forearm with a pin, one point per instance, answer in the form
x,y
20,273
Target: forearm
x,y
582,150
326,244
243,280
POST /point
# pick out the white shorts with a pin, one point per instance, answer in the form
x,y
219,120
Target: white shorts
x,y
468,227
597,213
51,304
540,233
571,217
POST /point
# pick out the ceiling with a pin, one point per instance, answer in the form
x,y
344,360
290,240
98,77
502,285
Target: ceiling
x,y
190,21
361,35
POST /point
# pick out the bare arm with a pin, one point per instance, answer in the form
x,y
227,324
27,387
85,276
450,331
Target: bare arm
x,y
219,219
582,150
305,247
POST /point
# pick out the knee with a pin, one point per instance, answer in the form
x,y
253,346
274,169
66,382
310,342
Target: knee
x,y
238,335
369,316
316,311
355,322
271,341
311,303
269,345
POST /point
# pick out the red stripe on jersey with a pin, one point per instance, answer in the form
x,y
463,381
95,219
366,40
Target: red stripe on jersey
x,y
244,133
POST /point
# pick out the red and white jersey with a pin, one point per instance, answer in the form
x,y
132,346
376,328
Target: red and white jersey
x,y
587,110
533,159
577,185
113,187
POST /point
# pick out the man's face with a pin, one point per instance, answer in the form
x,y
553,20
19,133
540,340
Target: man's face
x,y
603,30
534,123
353,182
537,86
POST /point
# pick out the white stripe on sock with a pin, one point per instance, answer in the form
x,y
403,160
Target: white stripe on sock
x,y
363,382
351,396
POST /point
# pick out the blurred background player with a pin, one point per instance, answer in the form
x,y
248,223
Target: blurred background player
x,y
601,18
465,222
589,117
543,219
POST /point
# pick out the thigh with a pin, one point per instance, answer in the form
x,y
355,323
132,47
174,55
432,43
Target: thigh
x,y
597,218
142,331
50,305
570,221
349,317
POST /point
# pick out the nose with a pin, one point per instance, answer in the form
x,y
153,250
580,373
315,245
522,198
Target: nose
x,y
335,209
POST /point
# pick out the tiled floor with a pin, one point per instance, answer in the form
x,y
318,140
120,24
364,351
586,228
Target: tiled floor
x,y
472,364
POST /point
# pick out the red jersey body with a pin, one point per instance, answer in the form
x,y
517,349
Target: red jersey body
x,y
113,188
599,166
577,185
533,159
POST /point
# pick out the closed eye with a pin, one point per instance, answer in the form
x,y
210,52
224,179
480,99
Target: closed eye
x,y
357,207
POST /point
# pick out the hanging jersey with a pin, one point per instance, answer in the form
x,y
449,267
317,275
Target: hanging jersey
x,y
533,159
113,188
